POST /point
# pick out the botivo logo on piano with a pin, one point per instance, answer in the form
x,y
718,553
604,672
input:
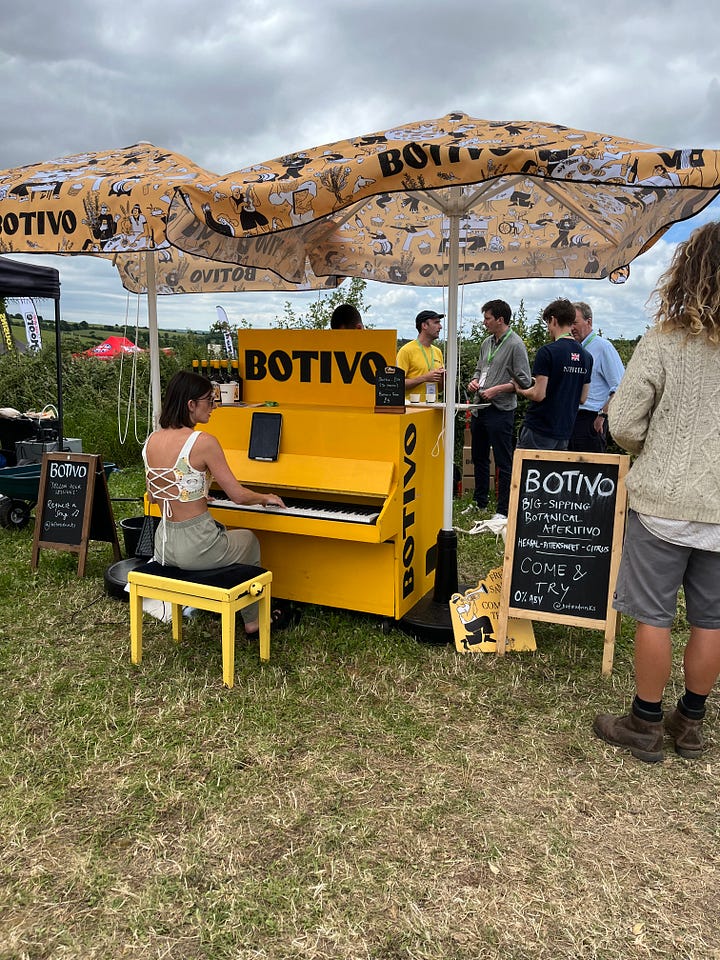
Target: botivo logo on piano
x,y
408,510
313,366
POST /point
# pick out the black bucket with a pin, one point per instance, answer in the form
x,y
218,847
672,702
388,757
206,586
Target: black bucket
x,y
131,527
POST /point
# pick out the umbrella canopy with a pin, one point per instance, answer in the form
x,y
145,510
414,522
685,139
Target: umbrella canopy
x,y
112,347
96,204
179,272
446,202
115,204
92,203
532,200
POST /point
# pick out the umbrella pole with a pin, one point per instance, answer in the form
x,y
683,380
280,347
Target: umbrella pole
x,y
153,336
446,575
58,369
429,620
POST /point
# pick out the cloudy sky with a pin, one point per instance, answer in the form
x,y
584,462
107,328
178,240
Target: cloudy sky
x,y
229,83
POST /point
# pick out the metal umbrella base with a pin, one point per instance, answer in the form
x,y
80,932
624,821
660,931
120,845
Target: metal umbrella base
x,y
429,620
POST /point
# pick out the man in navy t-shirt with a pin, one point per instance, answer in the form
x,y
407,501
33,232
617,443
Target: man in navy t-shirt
x,y
561,372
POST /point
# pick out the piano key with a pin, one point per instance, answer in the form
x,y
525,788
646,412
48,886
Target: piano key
x,y
343,512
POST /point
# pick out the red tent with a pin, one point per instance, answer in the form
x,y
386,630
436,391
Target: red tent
x,y
112,347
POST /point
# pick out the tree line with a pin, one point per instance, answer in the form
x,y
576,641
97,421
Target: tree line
x,y
106,402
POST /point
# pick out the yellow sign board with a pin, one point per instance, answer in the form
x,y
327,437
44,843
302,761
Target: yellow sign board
x,y
474,618
319,367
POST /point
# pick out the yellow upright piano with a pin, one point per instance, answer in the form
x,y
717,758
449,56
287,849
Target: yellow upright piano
x,y
364,489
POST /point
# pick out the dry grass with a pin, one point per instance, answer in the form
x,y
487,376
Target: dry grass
x,y
362,796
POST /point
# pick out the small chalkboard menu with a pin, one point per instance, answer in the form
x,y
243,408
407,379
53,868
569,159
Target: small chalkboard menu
x,y
73,506
390,390
564,540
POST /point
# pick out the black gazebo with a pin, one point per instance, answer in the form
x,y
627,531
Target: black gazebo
x,y
18,279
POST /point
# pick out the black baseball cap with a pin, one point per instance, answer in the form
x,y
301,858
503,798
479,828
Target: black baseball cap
x,y
428,315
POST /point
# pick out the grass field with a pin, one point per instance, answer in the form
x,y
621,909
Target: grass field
x,y
362,796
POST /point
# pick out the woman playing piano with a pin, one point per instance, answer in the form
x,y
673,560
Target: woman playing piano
x,y
179,462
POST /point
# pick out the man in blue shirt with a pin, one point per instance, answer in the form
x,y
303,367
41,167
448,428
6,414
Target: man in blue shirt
x,y
561,372
590,430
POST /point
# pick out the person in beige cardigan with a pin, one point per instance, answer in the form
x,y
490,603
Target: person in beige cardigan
x,y
667,411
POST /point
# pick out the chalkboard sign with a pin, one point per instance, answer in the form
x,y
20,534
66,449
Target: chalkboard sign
x,y
73,506
563,541
390,390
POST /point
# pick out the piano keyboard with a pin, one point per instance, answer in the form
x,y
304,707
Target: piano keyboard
x,y
314,509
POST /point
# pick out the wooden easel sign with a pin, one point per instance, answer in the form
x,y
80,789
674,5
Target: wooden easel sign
x,y
73,506
564,540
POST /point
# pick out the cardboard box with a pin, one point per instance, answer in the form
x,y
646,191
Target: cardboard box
x,y
468,484
468,468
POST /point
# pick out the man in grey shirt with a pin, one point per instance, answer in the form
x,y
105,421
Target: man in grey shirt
x,y
502,360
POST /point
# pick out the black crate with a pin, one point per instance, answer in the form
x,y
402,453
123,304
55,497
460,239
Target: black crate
x,y
15,429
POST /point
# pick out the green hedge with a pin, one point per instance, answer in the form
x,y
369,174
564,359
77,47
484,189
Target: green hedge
x,y
101,405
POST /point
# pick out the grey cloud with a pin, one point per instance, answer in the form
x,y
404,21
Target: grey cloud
x,y
234,82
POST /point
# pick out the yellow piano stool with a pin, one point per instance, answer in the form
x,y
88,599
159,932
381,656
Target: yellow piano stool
x,y
225,601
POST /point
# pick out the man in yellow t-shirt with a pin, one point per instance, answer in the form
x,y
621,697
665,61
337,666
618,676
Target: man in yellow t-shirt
x,y
421,360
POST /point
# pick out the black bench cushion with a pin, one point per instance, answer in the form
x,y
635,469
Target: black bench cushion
x,y
224,577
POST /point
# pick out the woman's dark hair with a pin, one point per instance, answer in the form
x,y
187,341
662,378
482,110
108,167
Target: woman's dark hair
x,y
183,387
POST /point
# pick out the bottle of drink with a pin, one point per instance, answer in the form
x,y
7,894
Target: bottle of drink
x,y
215,379
196,366
204,370
237,380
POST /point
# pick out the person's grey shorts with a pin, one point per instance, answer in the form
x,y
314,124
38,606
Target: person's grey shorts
x,y
652,572
201,544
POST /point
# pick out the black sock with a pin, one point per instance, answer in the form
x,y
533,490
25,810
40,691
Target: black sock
x,y
647,710
692,705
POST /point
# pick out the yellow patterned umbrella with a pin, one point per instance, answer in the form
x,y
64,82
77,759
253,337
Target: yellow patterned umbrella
x,y
96,204
446,202
92,203
115,204
179,272
528,199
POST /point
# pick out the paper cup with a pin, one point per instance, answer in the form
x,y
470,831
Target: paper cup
x,y
227,393
414,398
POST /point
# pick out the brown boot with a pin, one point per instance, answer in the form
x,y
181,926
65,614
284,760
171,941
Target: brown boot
x,y
686,733
642,738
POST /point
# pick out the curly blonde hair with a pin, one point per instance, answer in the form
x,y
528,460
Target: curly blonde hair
x,y
688,293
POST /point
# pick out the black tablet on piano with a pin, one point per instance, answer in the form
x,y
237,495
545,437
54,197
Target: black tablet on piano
x,y
265,436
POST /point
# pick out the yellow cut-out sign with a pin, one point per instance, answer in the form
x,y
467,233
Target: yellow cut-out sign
x,y
475,618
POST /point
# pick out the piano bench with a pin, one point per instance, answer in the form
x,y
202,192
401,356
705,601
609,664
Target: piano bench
x,y
223,590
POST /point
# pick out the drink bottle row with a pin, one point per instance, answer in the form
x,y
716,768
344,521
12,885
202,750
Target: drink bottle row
x,y
224,376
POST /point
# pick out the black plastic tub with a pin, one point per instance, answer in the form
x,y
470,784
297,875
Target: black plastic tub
x,y
131,527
